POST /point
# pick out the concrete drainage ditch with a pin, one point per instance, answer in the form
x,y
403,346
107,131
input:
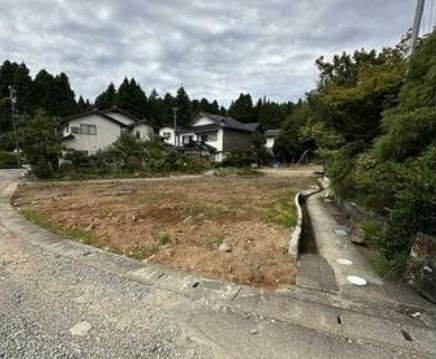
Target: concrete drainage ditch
x,y
313,271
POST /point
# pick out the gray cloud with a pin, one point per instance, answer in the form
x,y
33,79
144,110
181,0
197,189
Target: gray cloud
x,y
216,49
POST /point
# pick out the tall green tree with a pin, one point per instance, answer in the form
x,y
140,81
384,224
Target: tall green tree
x,y
65,103
82,105
17,75
293,140
41,144
169,102
156,110
132,98
242,109
107,99
53,94
354,91
183,103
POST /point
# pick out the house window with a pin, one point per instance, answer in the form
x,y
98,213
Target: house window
x,y
75,130
212,137
138,134
88,129
187,139
166,135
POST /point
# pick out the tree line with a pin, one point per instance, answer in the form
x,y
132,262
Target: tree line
x,y
53,94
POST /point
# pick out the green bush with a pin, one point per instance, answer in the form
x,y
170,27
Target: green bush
x,y
8,159
42,169
41,144
414,209
240,157
129,156
195,164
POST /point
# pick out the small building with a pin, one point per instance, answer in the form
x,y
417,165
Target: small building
x,y
97,129
214,134
270,136
168,135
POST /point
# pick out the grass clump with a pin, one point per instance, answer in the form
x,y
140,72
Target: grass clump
x,y
282,211
164,239
144,250
86,237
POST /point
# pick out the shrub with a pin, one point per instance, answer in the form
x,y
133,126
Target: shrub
x,y
240,157
414,209
41,144
130,156
164,239
196,164
77,158
8,159
42,169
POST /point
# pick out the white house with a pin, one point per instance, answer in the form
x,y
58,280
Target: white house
x,y
97,129
270,136
212,134
168,135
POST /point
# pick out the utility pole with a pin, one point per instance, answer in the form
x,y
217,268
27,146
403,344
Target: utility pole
x,y
175,125
13,99
417,23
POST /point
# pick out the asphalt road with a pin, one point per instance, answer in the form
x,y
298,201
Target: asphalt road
x,y
54,307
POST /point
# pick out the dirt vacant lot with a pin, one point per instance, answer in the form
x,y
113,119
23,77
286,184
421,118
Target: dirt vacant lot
x,y
180,223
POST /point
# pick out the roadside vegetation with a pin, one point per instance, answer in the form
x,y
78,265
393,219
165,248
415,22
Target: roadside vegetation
x,y
8,160
373,120
80,235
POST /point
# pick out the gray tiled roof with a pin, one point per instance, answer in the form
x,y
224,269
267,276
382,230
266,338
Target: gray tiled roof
x,y
228,122
105,113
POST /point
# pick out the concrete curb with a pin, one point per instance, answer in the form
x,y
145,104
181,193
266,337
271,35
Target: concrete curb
x,y
294,241
296,233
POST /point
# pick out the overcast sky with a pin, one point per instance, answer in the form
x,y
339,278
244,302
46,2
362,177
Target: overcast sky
x,y
214,48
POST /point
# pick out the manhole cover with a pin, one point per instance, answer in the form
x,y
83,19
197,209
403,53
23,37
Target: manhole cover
x,y
356,280
343,261
340,231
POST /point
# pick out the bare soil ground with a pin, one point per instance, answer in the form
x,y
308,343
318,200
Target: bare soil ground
x,y
180,223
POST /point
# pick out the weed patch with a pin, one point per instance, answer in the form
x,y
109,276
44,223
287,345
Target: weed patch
x,y
80,235
282,211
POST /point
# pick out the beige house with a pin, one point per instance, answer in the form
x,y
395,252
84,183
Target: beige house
x,y
95,130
